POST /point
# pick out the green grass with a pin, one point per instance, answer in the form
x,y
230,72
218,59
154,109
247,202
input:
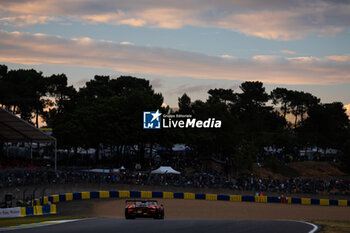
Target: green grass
x,y
6,222
332,226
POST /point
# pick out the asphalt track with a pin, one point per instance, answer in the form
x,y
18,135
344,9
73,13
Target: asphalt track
x,y
115,225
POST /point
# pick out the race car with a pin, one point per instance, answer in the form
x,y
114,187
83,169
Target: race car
x,y
143,209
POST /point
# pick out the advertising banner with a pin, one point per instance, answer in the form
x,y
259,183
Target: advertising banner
x,y
10,212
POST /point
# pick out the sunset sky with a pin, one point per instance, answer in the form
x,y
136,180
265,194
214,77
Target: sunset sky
x,y
185,46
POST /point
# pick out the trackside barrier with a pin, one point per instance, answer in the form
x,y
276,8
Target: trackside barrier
x,y
262,199
223,197
168,195
212,197
189,196
236,198
276,200
28,211
305,201
175,195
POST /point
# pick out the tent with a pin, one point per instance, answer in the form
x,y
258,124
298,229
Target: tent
x,y
99,170
165,170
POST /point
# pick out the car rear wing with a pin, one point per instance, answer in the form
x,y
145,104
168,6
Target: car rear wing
x,y
140,200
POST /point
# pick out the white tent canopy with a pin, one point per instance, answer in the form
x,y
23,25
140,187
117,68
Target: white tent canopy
x,y
99,170
165,170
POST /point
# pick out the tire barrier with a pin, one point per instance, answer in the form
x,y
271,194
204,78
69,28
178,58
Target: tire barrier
x,y
191,196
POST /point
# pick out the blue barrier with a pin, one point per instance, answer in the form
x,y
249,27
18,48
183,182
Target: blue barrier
x,y
315,201
157,194
46,209
76,196
135,194
296,200
94,194
29,211
62,197
248,198
113,194
199,196
223,197
273,200
179,195
333,202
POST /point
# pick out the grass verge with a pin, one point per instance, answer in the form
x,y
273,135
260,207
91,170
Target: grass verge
x,y
332,226
6,222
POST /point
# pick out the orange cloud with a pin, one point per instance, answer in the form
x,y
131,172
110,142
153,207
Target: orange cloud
x,y
339,58
288,52
26,48
278,20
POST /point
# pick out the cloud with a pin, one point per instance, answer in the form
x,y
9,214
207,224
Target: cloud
x,y
226,56
126,43
288,52
25,20
344,58
156,83
269,19
185,88
26,48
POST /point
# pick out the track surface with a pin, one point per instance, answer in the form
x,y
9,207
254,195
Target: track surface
x,y
113,225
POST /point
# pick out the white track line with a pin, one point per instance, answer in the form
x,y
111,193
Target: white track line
x,y
311,224
315,227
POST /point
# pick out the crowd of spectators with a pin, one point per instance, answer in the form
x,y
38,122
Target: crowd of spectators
x,y
33,176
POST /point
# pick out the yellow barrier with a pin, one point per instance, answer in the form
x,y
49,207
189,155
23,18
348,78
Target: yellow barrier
x,y
55,198
306,201
38,210
169,195
23,211
53,209
342,202
69,196
189,196
85,195
235,198
261,199
289,200
324,202
124,194
46,201
146,194
104,194
212,197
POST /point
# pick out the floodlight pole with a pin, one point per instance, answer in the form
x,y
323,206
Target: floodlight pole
x,y
55,156
31,151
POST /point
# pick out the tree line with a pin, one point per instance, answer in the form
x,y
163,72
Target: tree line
x,y
109,112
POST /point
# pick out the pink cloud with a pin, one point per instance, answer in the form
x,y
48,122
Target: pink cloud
x,y
277,20
339,58
26,48
288,52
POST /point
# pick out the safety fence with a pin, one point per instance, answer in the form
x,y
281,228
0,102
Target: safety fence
x,y
28,211
181,195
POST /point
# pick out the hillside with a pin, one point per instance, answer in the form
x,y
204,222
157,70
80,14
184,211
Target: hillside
x,y
302,169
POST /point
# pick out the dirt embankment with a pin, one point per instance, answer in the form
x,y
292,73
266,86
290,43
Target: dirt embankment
x,y
202,209
307,169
